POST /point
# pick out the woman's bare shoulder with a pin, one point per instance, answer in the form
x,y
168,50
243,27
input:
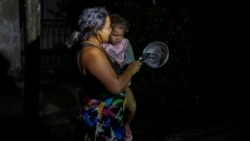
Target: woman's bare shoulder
x,y
91,51
92,55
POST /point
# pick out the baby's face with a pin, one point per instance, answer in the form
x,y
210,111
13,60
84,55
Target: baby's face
x,y
116,35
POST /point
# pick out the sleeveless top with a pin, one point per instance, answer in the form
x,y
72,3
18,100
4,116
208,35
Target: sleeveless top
x,y
101,111
98,90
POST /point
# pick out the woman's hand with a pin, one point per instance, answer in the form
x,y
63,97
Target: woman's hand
x,y
134,66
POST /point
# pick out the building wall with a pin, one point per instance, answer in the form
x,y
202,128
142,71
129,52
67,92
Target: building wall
x,y
10,43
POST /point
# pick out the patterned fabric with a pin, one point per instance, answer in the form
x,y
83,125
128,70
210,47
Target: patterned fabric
x,y
104,118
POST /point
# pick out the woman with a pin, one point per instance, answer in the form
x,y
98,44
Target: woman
x,y
103,96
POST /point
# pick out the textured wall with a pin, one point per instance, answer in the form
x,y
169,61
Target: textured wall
x,y
33,20
10,45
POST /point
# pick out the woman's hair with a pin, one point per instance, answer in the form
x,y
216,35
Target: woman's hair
x,y
90,22
118,21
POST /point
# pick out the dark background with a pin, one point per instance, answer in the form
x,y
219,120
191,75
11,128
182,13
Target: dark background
x,y
204,73
203,80
203,83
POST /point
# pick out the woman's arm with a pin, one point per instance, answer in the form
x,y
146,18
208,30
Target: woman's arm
x,y
96,62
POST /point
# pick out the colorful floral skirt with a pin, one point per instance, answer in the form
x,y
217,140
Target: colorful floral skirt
x,y
103,120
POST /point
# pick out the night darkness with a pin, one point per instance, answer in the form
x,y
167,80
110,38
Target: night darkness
x,y
201,84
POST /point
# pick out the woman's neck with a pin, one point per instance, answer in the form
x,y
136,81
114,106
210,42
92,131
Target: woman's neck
x,y
93,41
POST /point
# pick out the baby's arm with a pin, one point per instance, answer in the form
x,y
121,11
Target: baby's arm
x,y
129,54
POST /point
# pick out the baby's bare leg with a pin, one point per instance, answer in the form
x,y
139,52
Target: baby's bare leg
x,y
131,109
131,104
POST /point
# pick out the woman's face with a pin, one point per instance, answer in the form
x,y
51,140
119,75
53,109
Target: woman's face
x,y
116,35
105,32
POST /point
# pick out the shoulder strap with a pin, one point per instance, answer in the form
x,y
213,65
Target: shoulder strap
x,y
82,45
110,58
89,44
